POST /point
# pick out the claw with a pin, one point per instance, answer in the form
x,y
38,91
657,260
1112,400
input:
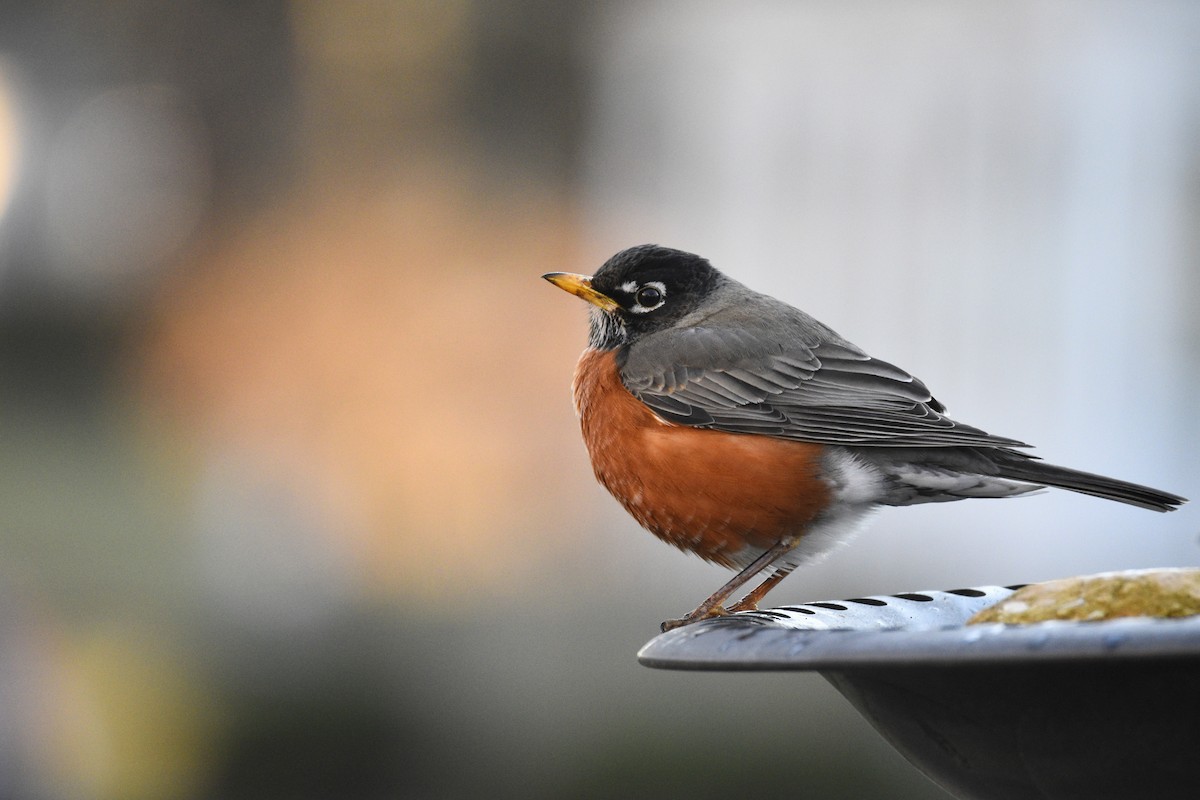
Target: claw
x,y
688,619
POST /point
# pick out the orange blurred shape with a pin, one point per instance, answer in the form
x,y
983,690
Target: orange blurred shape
x,y
392,354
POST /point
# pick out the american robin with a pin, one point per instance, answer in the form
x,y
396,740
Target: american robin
x,y
739,428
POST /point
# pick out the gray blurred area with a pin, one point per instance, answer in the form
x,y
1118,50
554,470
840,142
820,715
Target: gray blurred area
x,y
292,497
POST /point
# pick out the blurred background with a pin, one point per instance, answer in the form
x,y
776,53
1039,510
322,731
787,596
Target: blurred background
x,y
292,497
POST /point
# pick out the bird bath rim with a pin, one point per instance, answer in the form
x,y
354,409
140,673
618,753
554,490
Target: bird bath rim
x,y
909,630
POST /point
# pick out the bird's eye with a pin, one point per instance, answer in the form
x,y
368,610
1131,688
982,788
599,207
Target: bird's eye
x,y
649,297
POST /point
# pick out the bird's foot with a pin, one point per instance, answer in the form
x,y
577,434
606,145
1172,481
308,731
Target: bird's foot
x,y
745,604
694,616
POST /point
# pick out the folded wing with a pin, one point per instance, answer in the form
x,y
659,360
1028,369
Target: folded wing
x,y
806,384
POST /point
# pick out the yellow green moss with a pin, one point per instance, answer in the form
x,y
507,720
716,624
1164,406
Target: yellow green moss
x,y
1136,593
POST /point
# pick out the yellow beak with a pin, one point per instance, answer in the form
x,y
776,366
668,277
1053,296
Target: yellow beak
x,y
581,286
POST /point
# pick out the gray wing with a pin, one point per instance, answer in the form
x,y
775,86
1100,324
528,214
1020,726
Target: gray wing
x,y
806,383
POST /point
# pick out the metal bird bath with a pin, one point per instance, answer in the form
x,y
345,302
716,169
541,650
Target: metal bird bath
x,y
1048,710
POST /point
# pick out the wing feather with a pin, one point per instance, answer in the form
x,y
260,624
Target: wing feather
x,y
808,385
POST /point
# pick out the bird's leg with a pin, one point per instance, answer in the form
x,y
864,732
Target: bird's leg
x,y
751,600
712,606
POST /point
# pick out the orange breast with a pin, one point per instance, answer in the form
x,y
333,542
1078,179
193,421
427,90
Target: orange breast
x,y
705,491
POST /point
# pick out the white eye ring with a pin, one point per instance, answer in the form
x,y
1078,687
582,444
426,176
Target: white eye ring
x,y
662,295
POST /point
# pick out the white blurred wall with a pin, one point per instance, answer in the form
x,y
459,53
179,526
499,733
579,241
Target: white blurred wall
x,y
1003,199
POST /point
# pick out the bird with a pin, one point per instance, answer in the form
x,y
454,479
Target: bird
x,y
737,427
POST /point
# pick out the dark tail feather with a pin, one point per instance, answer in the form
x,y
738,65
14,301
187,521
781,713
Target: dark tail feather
x,y
1024,468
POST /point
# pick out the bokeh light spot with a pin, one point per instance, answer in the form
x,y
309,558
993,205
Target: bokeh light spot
x,y
9,142
127,184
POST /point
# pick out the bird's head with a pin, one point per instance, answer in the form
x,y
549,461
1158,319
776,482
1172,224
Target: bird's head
x,y
639,291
